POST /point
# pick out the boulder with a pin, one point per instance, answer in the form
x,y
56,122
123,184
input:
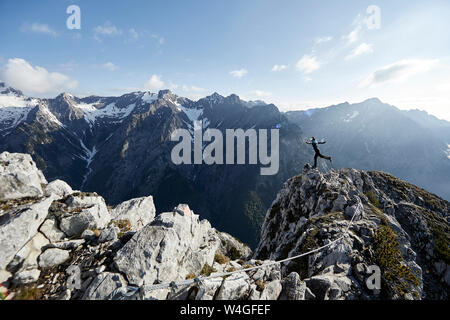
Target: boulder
x,y
84,212
139,212
53,257
51,231
108,234
26,276
19,177
58,188
18,226
234,287
26,258
271,290
103,286
208,288
293,287
319,285
172,246
66,245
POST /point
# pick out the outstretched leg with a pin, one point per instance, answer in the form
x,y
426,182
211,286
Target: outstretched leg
x,y
318,154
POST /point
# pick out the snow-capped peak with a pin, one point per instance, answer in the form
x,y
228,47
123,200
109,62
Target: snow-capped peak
x,y
215,98
14,108
149,97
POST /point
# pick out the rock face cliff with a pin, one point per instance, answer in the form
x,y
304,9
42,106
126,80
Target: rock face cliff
x,y
59,243
402,229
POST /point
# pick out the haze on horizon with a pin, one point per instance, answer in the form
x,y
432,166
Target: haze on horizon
x,y
296,55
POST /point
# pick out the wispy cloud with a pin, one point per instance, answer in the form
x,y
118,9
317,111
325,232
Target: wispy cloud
x,y
260,93
277,67
239,73
20,74
320,40
68,66
158,38
172,86
357,27
363,48
308,64
133,34
187,88
38,28
107,29
109,66
398,71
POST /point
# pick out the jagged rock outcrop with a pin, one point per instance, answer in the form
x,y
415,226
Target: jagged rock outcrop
x,y
172,246
66,244
139,212
18,225
398,227
19,177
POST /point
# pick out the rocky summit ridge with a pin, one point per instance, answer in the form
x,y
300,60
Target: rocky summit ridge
x,y
59,243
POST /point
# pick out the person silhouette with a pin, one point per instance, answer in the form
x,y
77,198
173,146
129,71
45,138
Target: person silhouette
x,y
317,154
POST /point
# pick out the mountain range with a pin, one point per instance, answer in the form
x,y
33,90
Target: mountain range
x,y
120,148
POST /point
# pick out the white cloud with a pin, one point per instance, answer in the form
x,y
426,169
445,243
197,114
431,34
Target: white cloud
x,y
109,66
172,86
443,87
133,33
355,34
398,71
361,49
239,73
197,89
277,67
192,89
158,38
19,74
154,83
322,39
308,64
107,29
68,66
260,93
38,28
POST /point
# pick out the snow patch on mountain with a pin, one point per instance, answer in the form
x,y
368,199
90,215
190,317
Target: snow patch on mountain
x,y
14,109
352,116
50,116
447,152
88,156
193,114
92,114
149,97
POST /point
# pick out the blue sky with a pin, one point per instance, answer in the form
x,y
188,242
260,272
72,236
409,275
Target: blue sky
x,y
296,54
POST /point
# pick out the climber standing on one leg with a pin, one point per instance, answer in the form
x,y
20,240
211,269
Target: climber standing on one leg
x,y
317,151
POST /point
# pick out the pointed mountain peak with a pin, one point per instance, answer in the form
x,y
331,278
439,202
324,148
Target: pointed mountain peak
x,y
65,96
166,93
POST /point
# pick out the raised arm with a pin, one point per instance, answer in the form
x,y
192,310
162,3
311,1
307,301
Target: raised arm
x,y
306,141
